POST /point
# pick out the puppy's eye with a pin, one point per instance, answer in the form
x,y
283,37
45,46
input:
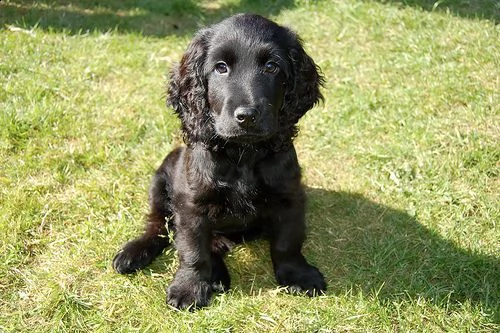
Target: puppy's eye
x,y
271,67
221,67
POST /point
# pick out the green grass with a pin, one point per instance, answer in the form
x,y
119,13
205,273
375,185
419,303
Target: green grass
x,y
401,165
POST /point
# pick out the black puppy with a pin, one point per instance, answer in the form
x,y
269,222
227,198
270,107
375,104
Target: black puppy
x,y
239,91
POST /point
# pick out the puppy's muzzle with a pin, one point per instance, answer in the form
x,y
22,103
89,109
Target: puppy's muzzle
x,y
246,117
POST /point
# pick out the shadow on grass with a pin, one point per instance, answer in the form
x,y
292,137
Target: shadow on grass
x,y
481,9
179,17
381,251
149,17
362,246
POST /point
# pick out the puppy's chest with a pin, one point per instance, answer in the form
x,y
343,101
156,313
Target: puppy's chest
x,y
233,194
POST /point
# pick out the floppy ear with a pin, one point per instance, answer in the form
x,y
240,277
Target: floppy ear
x,y
302,87
187,93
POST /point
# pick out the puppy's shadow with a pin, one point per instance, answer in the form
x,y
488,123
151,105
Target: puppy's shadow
x,y
362,246
365,246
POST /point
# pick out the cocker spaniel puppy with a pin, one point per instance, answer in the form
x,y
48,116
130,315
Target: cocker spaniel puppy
x,y
239,91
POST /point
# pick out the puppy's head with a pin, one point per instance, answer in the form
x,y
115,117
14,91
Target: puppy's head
x,y
244,80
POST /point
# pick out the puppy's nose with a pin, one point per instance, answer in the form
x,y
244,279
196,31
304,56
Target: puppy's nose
x,y
246,116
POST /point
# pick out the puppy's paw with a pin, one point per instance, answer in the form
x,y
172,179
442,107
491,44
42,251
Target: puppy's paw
x,y
303,279
188,293
137,254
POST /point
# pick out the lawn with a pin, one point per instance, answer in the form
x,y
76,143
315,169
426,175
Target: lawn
x,y
401,165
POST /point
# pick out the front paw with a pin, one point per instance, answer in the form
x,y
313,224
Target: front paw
x,y
188,292
301,279
137,254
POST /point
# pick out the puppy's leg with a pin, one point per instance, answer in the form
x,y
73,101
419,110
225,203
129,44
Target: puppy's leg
x,y
141,251
192,287
220,276
220,279
290,267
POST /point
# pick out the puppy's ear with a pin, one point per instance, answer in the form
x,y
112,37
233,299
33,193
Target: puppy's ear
x,y
303,86
187,88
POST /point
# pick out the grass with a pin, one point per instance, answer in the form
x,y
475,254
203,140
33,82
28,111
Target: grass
x,y
401,165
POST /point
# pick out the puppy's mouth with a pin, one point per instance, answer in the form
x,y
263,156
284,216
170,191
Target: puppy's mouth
x,y
241,132
246,138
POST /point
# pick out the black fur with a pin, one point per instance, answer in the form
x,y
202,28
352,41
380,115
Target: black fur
x,y
239,90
